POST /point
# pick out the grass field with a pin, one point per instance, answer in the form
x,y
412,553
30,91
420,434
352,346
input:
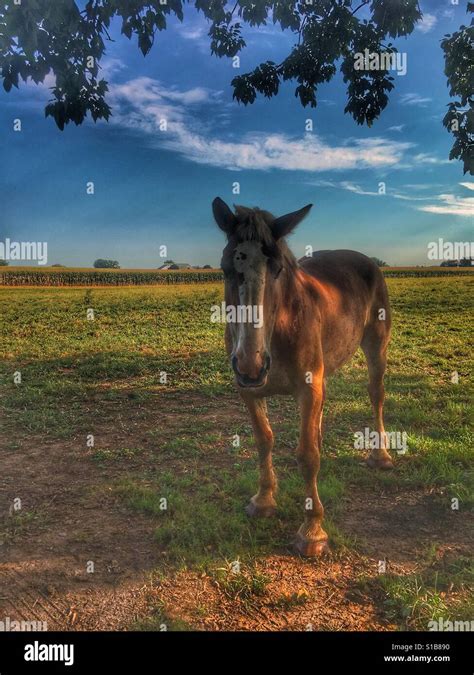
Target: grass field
x,y
155,501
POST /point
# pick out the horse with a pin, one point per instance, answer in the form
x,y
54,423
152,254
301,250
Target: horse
x,y
316,312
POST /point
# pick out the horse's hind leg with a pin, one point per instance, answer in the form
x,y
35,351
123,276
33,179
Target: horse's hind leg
x,y
263,503
374,345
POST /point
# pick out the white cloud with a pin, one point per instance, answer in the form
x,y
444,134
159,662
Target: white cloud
x,y
468,185
427,23
398,127
352,187
110,66
421,186
144,92
444,204
279,151
451,205
192,32
414,99
142,103
448,204
425,158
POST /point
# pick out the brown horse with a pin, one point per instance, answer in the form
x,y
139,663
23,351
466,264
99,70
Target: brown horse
x,y
315,313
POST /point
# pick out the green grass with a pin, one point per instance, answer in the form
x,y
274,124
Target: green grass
x,y
104,377
71,368
116,454
204,518
441,591
240,582
18,523
159,622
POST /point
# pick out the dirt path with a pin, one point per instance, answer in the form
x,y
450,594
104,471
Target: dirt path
x,y
81,560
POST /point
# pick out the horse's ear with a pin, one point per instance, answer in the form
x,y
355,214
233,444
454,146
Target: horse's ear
x,y
285,224
223,216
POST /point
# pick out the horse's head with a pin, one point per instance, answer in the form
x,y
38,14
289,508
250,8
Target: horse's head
x,y
255,255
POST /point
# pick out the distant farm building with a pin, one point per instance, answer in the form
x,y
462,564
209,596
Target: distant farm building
x,y
175,266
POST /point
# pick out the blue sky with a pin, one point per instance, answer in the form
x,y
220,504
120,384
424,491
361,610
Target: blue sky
x,y
155,187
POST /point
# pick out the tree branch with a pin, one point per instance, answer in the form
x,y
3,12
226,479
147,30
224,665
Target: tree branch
x,y
366,2
302,27
235,7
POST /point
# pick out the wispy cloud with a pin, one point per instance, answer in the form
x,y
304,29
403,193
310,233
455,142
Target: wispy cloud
x,y
398,127
142,105
449,204
146,94
421,186
444,204
468,185
426,158
352,187
355,188
427,23
414,99
110,66
193,31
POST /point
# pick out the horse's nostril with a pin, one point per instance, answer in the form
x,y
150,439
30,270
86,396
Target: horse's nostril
x,y
245,380
234,364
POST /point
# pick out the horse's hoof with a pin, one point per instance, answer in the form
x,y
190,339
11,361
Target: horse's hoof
x,y
311,548
255,511
384,464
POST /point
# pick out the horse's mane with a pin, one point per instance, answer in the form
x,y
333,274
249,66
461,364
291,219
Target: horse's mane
x,y
255,225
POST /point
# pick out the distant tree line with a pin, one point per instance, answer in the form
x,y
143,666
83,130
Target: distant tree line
x,y
379,262
102,264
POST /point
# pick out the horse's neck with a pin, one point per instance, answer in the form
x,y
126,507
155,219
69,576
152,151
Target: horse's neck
x,y
289,290
296,293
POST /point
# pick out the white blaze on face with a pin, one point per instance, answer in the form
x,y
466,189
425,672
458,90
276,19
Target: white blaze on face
x,y
251,263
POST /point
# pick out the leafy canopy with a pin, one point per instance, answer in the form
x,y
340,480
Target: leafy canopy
x,y
42,36
100,263
459,69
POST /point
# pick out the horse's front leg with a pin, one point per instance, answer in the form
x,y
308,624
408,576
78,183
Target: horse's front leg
x,y
263,503
311,539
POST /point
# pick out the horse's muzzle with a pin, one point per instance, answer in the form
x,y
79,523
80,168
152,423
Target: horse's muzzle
x,y
245,381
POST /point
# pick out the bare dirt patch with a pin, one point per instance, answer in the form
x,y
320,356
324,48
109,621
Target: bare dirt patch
x,y
74,518
396,525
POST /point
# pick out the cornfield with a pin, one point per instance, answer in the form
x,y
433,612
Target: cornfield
x,y
91,277
85,277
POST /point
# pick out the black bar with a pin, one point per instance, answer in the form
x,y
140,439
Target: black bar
x,y
315,652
